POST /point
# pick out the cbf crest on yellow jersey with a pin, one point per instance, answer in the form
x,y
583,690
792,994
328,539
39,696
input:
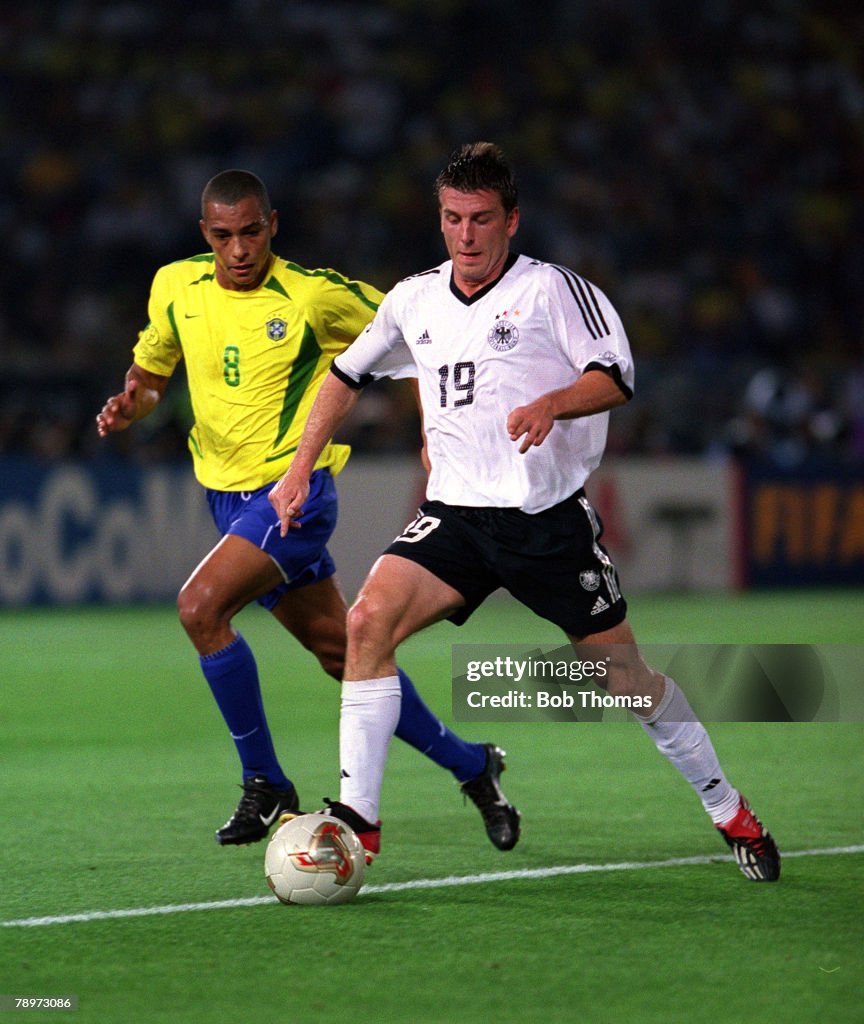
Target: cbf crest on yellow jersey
x,y
254,361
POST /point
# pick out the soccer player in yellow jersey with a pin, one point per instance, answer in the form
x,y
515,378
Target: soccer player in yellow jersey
x,y
258,335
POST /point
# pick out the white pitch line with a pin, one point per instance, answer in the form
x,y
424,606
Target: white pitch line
x,y
419,883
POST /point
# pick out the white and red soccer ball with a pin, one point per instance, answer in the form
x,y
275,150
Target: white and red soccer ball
x,y
314,859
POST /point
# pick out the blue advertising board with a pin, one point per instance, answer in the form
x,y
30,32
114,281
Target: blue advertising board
x,y
76,532
803,526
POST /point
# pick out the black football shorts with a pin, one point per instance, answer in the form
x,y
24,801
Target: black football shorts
x,y
550,561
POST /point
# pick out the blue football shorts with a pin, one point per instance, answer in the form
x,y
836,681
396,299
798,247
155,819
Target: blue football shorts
x,y
302,556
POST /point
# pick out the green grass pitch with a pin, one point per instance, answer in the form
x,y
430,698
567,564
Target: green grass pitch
x,y
116,770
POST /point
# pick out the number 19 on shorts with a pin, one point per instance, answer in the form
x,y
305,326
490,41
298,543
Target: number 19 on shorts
x,y
421,527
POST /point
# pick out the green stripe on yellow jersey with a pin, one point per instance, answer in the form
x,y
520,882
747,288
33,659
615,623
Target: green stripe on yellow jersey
x,y
254,360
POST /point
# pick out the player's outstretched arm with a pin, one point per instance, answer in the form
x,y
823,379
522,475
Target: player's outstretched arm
x,y
595,391
143,392
332,404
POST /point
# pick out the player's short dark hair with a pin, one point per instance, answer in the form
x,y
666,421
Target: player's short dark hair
x,y
476,166
230,187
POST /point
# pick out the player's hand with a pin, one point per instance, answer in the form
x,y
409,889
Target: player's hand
x,y
287,497
532,422
118,411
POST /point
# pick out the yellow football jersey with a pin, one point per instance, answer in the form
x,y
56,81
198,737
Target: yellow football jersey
x,y
254,361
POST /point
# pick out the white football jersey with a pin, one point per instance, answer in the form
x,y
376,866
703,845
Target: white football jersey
x,y
536,329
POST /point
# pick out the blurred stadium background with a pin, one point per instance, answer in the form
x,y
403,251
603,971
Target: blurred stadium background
x,y
706,171
703,163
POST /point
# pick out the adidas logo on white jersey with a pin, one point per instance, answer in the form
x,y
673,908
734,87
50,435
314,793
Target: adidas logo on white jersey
x,y
600,605
424,339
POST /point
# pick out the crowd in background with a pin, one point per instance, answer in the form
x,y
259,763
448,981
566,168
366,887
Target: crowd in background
x,y
702,163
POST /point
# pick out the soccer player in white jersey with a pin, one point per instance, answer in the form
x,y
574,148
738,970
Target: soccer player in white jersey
x,y
518,363
258,334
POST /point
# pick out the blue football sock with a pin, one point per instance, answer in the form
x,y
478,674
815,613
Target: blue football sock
x,y
418,727
233,677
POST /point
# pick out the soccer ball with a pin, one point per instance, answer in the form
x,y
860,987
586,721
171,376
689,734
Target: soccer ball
x,y
314,858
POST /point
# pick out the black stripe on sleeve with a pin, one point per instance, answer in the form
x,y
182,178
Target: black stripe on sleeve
x,y
355,385
586,300
613,371
596,304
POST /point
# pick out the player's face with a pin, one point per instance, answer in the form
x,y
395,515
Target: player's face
x,y
240,238
477,233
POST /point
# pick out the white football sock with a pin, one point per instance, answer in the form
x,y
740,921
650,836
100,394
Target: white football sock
x,y
370,711
681,738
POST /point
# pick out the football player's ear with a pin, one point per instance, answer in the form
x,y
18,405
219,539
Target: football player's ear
x,y
512,222
274,222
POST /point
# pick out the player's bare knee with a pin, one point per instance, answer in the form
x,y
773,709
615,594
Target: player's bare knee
x,y
195,611
367,625
359,622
